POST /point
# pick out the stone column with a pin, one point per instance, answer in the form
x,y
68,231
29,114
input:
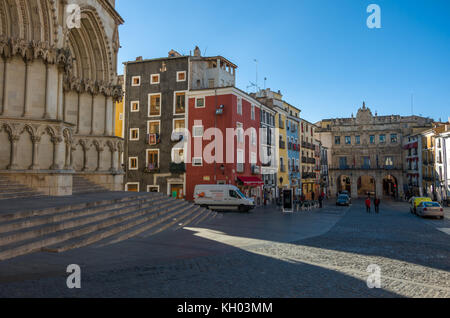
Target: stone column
x,y
48,86
92,115
27,92
35,165
72,150
60,99
4,109
400,185
78,113
68,157
333,185
110,116
56,153
13,160
85,158
99,152
112,124
113,160
379,186
354,193
105,131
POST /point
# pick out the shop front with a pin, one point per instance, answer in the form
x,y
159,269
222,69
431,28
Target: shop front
x,y
252,187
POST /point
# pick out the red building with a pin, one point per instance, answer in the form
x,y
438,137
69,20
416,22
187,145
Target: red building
x,y
224,143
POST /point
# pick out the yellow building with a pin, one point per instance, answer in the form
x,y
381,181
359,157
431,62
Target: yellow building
x,y
283,174
120,119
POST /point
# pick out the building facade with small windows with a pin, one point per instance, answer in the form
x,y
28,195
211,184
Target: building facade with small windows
x,y
224,147
155,106
293,147
274,100
157,116
309,159
366,152
268,151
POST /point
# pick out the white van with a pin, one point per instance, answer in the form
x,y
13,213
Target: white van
x,y
222,197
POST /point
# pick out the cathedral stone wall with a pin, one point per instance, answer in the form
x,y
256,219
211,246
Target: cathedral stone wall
x,y
58,87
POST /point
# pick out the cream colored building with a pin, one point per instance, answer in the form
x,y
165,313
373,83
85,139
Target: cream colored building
x,y
58,86
366,152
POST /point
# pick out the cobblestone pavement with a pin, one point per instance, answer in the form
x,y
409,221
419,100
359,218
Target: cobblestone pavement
x,y
412,253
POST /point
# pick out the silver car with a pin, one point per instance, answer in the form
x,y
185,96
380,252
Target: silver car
x,y
432,209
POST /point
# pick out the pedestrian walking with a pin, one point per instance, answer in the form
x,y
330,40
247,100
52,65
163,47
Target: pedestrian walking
x,y
376,203
321,201
368,203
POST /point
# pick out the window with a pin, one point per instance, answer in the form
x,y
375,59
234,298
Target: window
x,y
181,76
389,161
394,138
337,140
197,131
239,106
200,102
372,139
179,125
233,194
153,188
240,161
154,127
197,162
348,140
178,155
253,112
211,83
358,140
382,139
133,163
253,137
180,103
366,162
152,159
134,106
253,159
343,163
134,134
136,81
240,132
155,105
154,79
132,187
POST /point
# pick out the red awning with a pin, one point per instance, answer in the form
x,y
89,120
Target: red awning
x,y
251,181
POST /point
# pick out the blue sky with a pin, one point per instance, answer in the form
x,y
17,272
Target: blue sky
x,y
319,53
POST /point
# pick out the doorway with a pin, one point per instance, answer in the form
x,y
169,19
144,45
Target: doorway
x,y
176,191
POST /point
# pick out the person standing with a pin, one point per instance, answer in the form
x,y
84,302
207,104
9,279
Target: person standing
x,y
368,203
321,201
376,203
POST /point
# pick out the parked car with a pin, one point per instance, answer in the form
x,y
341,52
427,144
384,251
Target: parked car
x,y
415,201
222,197
343,200
426,208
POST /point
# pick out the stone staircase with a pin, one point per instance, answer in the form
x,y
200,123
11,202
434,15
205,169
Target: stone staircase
x,y
59,229
13,190
82,185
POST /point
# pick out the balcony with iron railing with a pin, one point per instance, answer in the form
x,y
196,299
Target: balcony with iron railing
x,y
365,167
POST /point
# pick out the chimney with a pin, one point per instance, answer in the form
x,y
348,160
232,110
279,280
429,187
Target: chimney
x,y
139,59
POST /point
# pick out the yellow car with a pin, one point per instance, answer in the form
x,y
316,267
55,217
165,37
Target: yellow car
x,y
415,201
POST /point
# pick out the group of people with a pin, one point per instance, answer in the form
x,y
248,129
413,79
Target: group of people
x,y
376,204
